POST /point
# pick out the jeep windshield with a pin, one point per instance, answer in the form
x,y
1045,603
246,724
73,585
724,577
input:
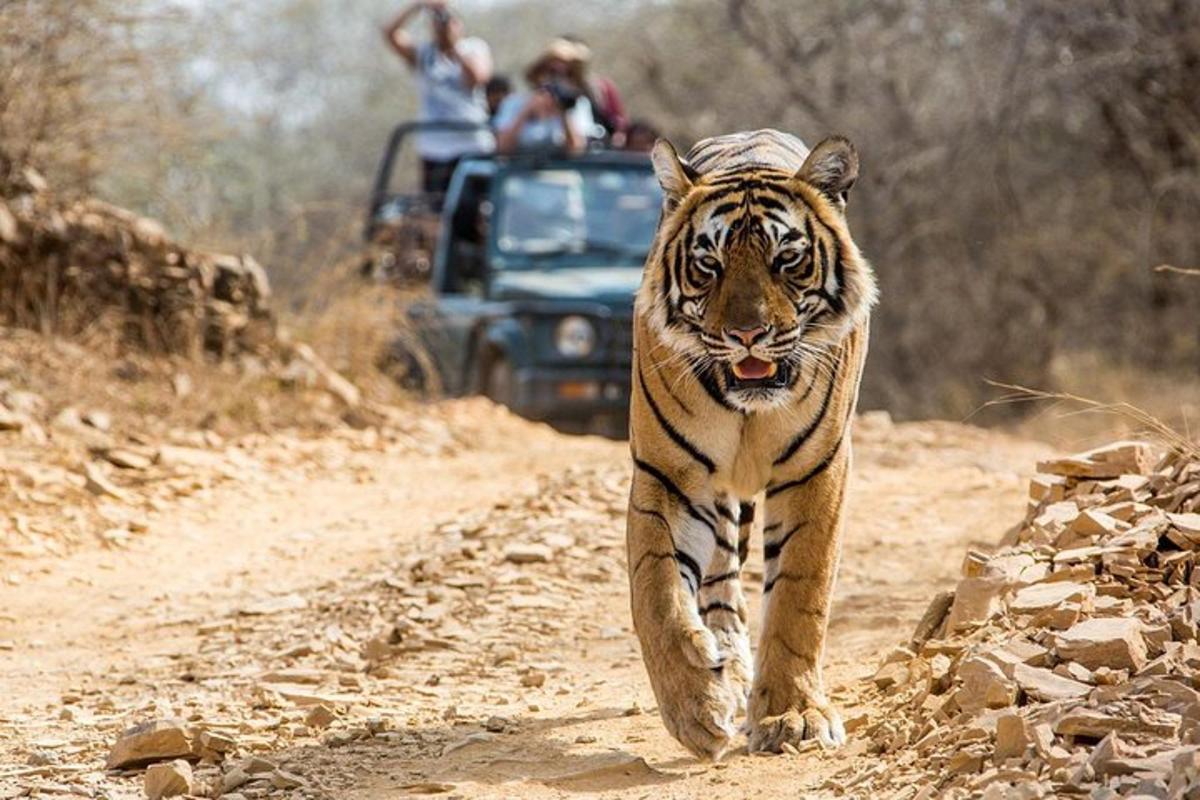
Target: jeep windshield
x,y
575,217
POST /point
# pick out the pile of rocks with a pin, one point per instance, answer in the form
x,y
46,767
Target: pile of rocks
x,y
1067,662
167,749
73,266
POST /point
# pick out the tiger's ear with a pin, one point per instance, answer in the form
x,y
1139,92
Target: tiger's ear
x,y
831,167
675,175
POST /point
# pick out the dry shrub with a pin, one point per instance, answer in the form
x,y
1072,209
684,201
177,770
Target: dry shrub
x,y
353,324
1064,414
64,67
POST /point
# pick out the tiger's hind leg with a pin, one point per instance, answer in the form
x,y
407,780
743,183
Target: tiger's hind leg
x,y
723,605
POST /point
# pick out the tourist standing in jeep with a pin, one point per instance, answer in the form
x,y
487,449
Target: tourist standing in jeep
x,y
554,114
451,73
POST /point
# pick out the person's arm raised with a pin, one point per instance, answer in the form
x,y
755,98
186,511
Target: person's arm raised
x,y
399,39
476,64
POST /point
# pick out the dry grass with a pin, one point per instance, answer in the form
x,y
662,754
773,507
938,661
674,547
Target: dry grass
x,y
1064,408
1177,270
352,324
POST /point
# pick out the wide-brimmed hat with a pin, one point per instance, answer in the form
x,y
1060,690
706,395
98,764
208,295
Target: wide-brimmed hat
x,y
574,53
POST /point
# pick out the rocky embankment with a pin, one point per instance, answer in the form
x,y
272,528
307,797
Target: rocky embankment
x,y
1066,663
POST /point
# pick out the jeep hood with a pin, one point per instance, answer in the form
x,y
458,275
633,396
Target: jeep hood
x,y
612,286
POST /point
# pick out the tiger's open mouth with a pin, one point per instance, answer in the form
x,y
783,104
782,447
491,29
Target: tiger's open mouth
x,y
754,373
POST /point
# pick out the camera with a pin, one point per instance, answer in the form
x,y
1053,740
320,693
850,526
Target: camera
x,y
563,93
441,16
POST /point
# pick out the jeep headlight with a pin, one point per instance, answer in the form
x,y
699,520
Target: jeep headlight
x,y
575,337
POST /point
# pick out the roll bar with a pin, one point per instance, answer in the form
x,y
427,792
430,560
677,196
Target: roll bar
x,y
383,176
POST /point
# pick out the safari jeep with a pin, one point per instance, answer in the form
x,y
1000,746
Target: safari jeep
x,y
533,278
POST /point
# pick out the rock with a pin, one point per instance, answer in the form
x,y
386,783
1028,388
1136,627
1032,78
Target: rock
x,y
892,674
274,605
976,600
149,742
1092,522
310,677
984,685
1042,684
1098,723
168,780
27,404
100,420
214,746
319,716
234,778
11,421
98,484
965,762
1017,651
127,459
378,725
932,619
1114,642
527,554
1104,754
1109,461
1188,523
286,780
1047,488
303,695
534,678
257,765
1041,596
1012,737
1016,569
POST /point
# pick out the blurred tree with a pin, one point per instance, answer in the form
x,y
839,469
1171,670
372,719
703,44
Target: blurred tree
x,y
1026,162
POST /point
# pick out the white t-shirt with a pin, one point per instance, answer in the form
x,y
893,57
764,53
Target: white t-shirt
x,y
544,132
446,98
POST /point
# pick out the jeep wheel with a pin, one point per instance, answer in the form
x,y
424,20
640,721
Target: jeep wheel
x,y
407,363
499,382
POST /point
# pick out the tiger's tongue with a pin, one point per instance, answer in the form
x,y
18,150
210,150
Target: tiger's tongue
x,y
754,369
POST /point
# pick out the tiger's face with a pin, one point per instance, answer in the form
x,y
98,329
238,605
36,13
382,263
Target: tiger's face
x,y
758,280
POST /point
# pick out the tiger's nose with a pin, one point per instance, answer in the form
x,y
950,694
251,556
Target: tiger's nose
x,y
748,336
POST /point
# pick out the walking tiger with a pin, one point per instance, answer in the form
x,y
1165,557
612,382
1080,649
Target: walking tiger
x,y
750,331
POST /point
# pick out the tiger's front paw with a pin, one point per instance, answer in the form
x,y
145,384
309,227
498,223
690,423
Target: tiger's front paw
x,y
822,723
696,704
738,672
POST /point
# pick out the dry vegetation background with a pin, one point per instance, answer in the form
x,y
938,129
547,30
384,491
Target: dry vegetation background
x,y
1027,163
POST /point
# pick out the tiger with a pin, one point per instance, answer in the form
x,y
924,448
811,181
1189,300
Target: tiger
x,y
750,332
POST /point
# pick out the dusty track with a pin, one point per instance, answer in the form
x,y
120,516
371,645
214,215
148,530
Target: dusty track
x,y
372,538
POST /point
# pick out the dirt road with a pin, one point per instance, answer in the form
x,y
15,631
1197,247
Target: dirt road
x,y
461,611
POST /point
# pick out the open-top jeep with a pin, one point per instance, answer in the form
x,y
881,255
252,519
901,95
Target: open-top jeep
x,y
533,276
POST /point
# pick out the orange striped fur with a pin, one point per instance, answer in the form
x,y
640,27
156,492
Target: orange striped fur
x,y
750,332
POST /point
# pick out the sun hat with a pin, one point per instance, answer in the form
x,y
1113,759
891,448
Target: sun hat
x,y
573,53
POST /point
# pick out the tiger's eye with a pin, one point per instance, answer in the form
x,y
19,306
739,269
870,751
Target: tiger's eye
x,y
709,264
788,258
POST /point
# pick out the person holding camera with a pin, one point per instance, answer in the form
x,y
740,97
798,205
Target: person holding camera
x,y
554,114
451,72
